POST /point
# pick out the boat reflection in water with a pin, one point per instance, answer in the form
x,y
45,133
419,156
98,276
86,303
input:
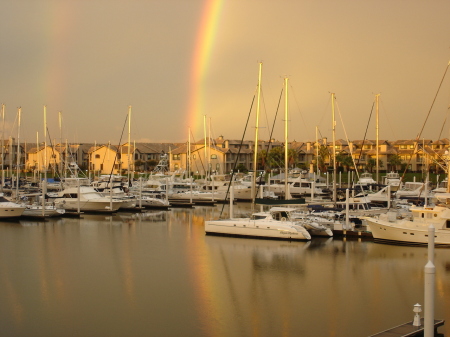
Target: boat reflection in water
x,y
158,274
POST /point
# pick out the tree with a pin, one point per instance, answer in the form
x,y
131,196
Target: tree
x,y
241,168
276,157
324,153
150,164
344,160
393,161
372,162
262,158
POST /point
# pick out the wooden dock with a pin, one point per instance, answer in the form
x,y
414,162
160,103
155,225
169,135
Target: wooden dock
x,y
408,330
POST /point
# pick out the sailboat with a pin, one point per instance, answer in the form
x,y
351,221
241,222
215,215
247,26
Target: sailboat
x,y
276,224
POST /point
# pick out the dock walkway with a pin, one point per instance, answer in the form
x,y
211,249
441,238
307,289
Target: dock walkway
x,y
408,330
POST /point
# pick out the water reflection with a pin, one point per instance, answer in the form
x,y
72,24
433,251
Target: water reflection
x,y
156,273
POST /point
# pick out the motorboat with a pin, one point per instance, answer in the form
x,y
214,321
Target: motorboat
x,y
442,187
314,224
219,187
366,179
393,180
46,211
86,199
411,189
9,209
275,224
413,228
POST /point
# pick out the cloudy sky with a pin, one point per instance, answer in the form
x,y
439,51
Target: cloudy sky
x,y
176,61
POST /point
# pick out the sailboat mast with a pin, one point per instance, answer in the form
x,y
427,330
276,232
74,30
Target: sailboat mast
x,y
286,144
60,142
377,134
188,163
3,145
129,143
334,147
205,152
317,149
45,142
255,154
209,145
18,153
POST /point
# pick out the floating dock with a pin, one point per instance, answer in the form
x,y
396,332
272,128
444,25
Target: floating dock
x,y
409,330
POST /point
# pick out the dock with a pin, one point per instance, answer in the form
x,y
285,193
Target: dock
x,y
352,234
409,330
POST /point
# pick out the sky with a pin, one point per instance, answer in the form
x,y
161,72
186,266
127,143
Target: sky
x,y
189,68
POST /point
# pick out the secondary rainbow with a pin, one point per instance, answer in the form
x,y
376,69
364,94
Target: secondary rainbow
x,y
200,63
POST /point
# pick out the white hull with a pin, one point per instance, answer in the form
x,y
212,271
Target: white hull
x,y
36,211
251,228
402,231
89,205
11,212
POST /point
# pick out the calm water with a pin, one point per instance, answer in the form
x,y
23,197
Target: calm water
x,y
157,274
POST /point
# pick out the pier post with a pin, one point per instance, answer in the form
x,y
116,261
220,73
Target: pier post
x,y
347,208
231,198
431,231
389,196
430,271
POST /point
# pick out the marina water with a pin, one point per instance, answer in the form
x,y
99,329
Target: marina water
x,y
157,274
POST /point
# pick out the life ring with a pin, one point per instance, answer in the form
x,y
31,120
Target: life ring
x,y
283,219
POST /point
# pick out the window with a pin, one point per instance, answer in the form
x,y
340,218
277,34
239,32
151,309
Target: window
x,y
403,147
214,156
97,156
194,156
176,157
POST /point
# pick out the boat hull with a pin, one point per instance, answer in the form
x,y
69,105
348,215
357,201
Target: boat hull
x,y
384,231
11,212
247,228
90,206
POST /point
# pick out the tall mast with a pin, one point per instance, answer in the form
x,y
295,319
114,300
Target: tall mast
x,y
3,145
38,164
255,155
334,147
45,142
377,134
207,173
209,144
129,143
188,164
286,144
18,153
317,149
60,142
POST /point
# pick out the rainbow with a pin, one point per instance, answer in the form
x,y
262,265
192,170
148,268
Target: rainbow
x,y
200,62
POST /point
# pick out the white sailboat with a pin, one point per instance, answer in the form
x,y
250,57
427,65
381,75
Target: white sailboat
x,y
275,224
268,225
